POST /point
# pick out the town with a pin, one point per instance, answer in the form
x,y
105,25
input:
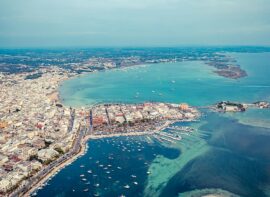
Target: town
x,y
38,133
118,118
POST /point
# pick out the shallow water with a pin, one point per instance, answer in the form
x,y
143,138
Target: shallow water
x,y
192,82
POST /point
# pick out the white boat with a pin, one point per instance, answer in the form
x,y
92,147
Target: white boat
x,y
89,171
127,186
96,185
133,176
135,183
82,175
86,190
148,172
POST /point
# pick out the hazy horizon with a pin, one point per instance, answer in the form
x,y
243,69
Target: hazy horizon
x,y
126,23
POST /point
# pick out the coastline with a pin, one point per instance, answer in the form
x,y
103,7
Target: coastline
x,y
84,148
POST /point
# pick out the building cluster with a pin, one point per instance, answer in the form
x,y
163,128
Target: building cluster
x,y
228,106
138,117
34,128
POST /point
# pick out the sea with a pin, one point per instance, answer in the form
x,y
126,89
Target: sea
x,y
226,154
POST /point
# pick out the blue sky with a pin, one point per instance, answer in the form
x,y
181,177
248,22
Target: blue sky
x,y
91,23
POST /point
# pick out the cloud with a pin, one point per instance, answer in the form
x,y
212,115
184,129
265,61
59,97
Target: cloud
x,y
121,22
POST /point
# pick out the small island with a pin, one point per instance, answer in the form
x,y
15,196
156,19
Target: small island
x,y
228,106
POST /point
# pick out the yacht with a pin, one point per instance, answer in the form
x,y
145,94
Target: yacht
x,y
127,186
135,183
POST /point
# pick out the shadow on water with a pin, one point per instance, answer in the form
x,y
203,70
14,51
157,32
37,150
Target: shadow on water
x,y
238,161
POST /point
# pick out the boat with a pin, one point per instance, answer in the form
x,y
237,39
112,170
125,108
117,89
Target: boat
x,y
82,175
88,183
127,186
148,172
96,185
81,166
89,171
84,179
133,176
135,183
86,190
119,168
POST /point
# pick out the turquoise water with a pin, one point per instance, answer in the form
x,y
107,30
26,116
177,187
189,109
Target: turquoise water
x,y
228,155
192,82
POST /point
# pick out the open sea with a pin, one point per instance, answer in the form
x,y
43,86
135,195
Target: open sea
x,y
227,154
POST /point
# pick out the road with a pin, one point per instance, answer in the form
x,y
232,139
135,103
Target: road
x,y
47,169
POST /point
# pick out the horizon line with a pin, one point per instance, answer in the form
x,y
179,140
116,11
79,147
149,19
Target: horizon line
x,y
130,47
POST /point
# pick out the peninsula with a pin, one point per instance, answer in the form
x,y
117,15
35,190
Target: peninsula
x,y
39,134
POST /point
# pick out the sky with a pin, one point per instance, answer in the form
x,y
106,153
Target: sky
x,y
108,23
